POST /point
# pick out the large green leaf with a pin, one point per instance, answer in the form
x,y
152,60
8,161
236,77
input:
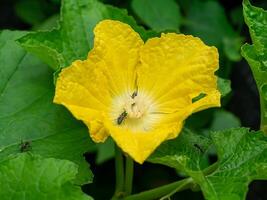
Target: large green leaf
x,y
224,86
207,20
256,54
48,24
105,151
223,119
159,15
242,159
33,12
27,114
72,41
30,177
186,152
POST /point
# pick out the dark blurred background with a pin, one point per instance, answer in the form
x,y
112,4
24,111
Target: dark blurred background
x,y
242,105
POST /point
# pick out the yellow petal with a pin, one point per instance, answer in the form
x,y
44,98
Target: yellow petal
x,y
116,46
174,69
139,145
97,131
87,87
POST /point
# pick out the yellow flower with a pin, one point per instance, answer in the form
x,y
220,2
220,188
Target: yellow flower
x,y
139,93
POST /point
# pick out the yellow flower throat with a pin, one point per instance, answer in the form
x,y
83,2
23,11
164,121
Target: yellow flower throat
x,y
135,107
134,111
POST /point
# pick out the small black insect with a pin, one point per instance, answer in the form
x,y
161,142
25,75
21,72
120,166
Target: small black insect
x,y
134,94
25,146
199,148
121,117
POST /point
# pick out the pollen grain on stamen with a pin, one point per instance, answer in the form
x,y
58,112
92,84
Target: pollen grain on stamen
x,y
133,111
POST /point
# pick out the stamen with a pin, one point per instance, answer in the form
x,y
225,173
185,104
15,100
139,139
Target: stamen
x,y
134,94
133,111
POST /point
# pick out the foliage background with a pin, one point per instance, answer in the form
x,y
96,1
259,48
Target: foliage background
x,y
242,102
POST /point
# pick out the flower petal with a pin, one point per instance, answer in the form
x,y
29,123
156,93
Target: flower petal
x,y
117,46
175,69
139,145
87,87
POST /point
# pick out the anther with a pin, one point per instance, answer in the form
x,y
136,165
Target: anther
x,y
134,94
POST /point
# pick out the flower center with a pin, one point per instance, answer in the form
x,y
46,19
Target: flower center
x,y
135,107
134,111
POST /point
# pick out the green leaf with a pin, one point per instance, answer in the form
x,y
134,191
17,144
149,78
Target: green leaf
x,y
30,11
256,55
105,151
224,86
223,119
255,19
73,40
33,12
27,113
30,177
231,47
159,15
48,24
242,159
200,120
186,152
236,16
212,26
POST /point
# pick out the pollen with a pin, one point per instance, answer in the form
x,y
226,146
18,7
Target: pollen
x,y
135,106
135,111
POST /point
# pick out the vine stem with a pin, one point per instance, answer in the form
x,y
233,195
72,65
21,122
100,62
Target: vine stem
x,y
119,169
168,196
166,191
161,191
129,170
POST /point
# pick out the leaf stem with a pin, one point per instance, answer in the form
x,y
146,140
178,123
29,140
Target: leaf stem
x,y
129,170
119,168
168,196
162,190
263,106
168,190
211,168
